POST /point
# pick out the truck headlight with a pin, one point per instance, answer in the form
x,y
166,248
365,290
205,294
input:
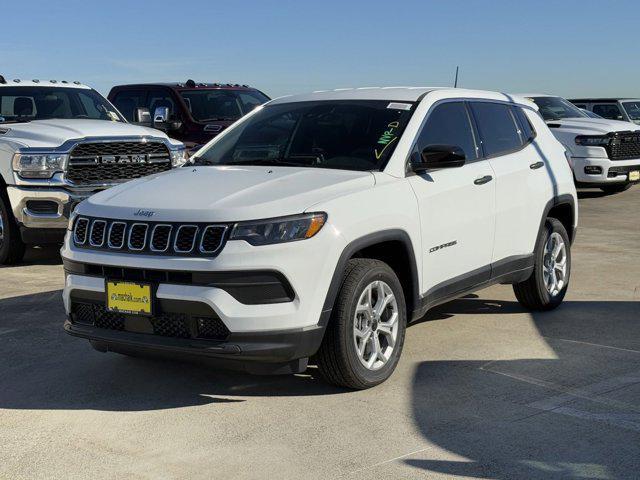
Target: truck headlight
x,y
41,165
279,230
178,157
593,140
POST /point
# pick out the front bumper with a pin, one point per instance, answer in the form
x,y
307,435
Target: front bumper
x,y
608,172
280,332
62,202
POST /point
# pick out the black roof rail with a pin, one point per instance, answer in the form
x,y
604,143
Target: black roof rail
x,y
2,80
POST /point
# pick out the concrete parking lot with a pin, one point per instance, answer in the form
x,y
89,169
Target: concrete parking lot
x,y
484,389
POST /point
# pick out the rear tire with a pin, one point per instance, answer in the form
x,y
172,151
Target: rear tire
x,y
611,189
546,287
365,335
11,246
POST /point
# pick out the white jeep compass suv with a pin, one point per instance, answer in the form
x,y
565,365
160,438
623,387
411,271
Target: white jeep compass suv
x,y
603,153
319,226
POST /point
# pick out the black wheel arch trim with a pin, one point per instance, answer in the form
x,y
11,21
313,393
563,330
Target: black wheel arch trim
x,y
412,298
565,199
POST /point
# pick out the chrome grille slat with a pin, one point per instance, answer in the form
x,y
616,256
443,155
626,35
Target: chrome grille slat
x,y
117,234
185,240
98,231
137,236
211,239
134,237
80,231
160,238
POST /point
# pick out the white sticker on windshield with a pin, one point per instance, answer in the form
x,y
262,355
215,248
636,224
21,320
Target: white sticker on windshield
x,y
399,106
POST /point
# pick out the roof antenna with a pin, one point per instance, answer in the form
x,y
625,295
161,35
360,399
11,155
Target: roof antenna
x,y
455,82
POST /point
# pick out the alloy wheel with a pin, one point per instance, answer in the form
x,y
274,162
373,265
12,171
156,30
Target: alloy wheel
x,y
554,271
375,325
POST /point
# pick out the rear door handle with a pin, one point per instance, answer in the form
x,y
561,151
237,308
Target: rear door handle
x,y
483,180
536,165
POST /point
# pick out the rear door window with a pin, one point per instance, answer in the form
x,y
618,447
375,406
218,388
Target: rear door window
x,y
127,101
527,132
497,126
608,110
449,124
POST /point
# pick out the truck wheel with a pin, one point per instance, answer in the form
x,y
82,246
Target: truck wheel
x,y
611,189
546,287
11,246
364,338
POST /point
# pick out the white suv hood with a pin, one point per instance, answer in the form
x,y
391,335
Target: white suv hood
x,y
53,133
592,126
225,193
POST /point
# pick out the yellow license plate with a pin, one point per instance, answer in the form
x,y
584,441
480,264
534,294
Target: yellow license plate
x,y
128,297
634,176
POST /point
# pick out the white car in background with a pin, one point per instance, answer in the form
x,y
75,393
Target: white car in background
x,y
604,153
60,142
319,225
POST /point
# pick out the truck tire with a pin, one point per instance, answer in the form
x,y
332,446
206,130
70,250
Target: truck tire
x,y
365,335
611,189
11,246
546,287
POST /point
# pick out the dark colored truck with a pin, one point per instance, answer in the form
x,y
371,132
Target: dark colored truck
x,y
191,112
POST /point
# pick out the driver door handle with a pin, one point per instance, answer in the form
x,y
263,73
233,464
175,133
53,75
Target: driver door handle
x,y
483,180
536,165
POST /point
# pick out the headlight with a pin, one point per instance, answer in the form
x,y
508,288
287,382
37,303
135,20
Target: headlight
x,y
592,140
42,165
279,230
178,157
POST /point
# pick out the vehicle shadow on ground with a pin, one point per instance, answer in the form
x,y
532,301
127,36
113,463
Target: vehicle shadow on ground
x,y
44,368
574,416
39,256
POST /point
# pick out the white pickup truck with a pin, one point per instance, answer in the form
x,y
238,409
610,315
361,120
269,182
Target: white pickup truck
x,y
603,153
60,142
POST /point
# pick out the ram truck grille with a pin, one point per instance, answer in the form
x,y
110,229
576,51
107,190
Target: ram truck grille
x,y
624,146
194,239
113,162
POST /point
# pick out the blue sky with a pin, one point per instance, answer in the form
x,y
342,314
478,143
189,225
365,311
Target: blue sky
x,y
587,47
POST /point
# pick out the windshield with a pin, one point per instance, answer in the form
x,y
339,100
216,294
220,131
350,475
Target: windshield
x,y
556,108
211,105
347,135
633,110
24,104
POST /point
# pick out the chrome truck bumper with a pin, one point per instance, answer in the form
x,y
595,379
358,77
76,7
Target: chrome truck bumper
x,y
43,207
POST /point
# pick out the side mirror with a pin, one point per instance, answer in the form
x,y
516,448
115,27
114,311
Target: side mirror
x,y
439,156
161,117
161,120
142,116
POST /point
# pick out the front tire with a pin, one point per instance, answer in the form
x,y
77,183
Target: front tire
x,y
611,189
11,246
365,335
546,287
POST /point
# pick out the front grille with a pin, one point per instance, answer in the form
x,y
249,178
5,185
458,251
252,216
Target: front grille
x,y
624,146
98,230
167,324
109,162
80,231
146,237
185,238
137,236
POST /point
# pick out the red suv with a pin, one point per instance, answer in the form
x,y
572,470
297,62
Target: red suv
x,y
191,112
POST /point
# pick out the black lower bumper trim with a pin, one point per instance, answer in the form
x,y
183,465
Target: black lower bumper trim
x,y
277,350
